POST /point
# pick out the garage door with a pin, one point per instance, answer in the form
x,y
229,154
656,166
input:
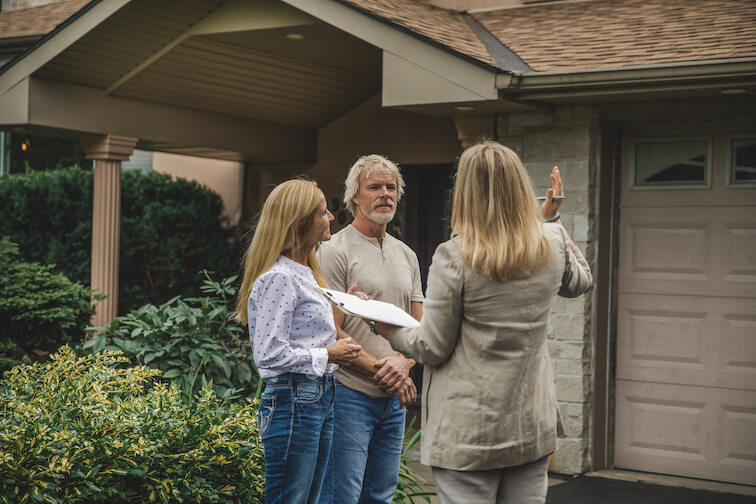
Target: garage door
x,y
685,400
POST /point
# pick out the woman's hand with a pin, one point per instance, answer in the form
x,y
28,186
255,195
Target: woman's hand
x,y
383,328
343,351
353,291
554,195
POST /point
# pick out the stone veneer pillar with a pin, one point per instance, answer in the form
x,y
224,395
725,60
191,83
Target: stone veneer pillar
x,y
107,153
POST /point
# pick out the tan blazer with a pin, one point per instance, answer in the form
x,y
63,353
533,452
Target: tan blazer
x,y
488,389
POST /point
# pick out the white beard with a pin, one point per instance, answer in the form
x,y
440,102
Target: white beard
x,y
378,218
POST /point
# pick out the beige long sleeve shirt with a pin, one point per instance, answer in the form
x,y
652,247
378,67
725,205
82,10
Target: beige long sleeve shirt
x,y
488,391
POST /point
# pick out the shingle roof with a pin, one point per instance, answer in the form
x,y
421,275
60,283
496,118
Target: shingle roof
x,y
440,26
37,20
617,33
554,36
588,34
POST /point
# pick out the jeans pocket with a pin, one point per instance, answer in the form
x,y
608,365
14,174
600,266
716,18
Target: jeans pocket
x,y
308,392
265,414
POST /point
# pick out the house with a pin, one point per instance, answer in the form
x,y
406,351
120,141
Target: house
x,y
647,106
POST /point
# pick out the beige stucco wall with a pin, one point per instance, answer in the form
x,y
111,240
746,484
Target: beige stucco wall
x,y
566,137
223,177
404,137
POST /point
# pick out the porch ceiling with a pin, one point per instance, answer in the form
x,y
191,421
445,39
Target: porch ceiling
x,y
262,62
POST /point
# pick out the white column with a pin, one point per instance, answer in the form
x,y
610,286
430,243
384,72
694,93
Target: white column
x,y
107,153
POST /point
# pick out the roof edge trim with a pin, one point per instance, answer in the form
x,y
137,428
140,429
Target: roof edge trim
x,y
507,59
422,38
636,75
44,38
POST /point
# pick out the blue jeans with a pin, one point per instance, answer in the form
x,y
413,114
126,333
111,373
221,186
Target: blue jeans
x,y
367,449
296,427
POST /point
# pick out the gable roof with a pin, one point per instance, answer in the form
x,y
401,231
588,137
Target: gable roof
x,y
561,36
37,21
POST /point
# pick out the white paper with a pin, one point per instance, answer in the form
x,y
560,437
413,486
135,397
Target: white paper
x,y
370,309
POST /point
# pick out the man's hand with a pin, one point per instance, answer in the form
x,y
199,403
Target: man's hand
x,y
393,377
392,371
406,392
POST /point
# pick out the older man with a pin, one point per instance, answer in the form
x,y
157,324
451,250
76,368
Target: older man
x,y
371,394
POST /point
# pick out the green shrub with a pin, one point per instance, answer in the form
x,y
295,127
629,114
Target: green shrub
x,y
188,339
39,309
86,430
10,355
170,230
410,483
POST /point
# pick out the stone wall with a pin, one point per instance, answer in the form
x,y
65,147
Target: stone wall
x,y
567,137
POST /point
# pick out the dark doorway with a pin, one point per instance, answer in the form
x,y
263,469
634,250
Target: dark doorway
x,y
425,212
423,223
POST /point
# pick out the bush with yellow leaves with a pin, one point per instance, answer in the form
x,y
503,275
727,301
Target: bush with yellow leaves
x,y
87,429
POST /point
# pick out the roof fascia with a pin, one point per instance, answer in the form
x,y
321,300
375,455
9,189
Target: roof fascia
x,y
21,42
62,106
438,65
544,85
55,42
231,16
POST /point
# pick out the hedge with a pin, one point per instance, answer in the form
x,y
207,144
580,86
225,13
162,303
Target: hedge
x,y
170,230
39,308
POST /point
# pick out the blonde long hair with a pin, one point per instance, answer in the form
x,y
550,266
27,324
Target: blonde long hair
x,y
495,214
285,219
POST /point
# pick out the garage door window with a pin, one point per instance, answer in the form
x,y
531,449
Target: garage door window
x,y
672,163
742,162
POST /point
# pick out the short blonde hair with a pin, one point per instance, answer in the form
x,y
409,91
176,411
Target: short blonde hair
x,y
495,214
372,163
284,221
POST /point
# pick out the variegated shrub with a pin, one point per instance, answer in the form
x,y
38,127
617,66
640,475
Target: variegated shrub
x,y
87,429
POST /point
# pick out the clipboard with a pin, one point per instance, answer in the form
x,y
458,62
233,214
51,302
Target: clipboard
x,y
370,309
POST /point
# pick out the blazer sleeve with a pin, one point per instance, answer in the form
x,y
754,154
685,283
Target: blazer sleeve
x,y
577,278
434,341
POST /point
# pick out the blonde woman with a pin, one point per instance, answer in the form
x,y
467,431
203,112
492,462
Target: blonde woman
x,y
293,340
489,408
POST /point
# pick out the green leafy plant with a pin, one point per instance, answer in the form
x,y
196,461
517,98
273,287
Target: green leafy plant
x,y
86,429
410,483
191,340
39,308
170,230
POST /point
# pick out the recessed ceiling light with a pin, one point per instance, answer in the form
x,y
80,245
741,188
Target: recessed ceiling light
x,y
295,36
464,108
733,91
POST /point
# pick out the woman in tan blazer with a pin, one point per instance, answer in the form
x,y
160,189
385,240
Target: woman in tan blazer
x,y
489,411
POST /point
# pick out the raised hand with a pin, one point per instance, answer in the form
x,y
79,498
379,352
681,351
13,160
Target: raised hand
x,y
554,195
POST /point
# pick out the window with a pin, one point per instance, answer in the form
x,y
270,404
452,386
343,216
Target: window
x,y
672,163
742,162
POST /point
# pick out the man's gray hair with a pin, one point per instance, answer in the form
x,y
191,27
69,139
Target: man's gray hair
x,y
372,163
